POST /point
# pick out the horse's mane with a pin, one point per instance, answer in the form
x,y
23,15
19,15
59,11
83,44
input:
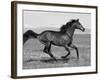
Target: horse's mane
x,y
67,26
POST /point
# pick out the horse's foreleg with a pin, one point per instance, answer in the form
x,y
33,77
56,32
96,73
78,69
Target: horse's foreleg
x,y
67,49
73,46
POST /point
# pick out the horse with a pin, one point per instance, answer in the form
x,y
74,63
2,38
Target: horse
x,y
62,38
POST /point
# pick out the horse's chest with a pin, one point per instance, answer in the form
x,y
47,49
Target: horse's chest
x,y
65,38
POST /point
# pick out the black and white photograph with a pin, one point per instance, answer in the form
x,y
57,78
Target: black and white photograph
x,y
54,39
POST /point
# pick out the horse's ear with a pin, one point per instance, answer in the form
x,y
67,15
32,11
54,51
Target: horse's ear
x,y
77,20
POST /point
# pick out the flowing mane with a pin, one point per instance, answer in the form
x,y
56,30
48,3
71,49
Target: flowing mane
x,y
67,26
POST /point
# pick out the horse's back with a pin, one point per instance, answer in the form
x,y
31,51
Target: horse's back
x,y
47,36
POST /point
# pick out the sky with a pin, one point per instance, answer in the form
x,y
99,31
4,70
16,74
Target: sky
x,y
43,20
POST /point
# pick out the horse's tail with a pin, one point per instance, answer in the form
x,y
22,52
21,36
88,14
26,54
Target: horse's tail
x,y
29,34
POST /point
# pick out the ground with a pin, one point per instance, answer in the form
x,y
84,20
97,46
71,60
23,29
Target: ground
x,y
35,58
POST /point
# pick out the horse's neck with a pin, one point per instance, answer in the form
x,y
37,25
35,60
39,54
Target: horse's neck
x,y
71,31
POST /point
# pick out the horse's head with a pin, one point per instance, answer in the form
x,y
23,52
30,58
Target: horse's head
x,y
78,25
72,24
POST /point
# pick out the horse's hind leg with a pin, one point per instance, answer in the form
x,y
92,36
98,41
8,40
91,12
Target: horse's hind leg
x,y
73,46
47,50
67,49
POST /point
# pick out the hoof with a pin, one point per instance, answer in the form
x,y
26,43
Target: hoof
x,y
63,57
55,59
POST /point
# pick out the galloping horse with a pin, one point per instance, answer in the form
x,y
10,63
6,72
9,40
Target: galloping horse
x,y
63,38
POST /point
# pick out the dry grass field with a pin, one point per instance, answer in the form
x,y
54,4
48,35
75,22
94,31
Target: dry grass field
x,y
35,58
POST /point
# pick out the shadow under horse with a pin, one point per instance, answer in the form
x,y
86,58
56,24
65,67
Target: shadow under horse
x,y
62,38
